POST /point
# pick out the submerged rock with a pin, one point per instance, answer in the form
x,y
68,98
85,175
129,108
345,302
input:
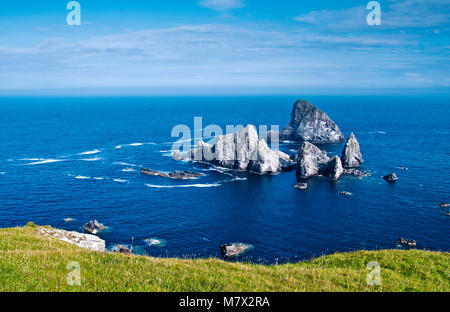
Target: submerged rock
x,y
351,155
243,151
177,175
345,193
301,186
392,177
308,123
234,250
86,241
94,227
68,220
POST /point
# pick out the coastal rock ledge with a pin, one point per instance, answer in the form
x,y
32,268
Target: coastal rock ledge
x,y
242,151
86,241
310,124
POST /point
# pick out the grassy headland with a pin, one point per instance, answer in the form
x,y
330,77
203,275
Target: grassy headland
x,y
30,262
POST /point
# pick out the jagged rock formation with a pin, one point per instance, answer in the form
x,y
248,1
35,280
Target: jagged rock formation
x,y
234,250
243,151
310,124
334,169
351,155
312,161
86,241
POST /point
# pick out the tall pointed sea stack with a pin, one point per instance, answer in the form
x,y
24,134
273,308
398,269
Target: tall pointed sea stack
x,y
351,155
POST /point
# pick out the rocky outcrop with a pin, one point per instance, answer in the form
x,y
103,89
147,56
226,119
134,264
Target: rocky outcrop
x,y
310,124
94,227
234,250
351,155
243,151
176,175
334,169
392,177
86,241
311,161
301,186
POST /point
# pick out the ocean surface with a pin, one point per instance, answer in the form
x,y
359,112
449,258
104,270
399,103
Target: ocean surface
x,y
80,158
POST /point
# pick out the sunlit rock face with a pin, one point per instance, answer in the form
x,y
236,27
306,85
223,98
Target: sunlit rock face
x,y
310,124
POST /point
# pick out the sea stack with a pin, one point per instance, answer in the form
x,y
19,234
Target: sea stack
x,y
310,124
243,151
311,161
351,155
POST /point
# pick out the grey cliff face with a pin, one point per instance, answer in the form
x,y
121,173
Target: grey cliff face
x,y
243,151
334,169
310,161
351,155
310,124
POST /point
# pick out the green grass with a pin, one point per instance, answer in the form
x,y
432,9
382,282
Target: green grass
x,y
29,262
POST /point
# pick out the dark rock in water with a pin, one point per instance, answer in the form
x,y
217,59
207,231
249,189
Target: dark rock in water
x,y
447,213
243,151
345,193
333,168
403,168
444,205
178,175
310,124
356,173
183,175
301,186
122,249
310,161
154,173
407,242
392,177
234,250
351,155
94,227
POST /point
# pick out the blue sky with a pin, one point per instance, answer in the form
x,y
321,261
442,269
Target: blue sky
x,y
224,46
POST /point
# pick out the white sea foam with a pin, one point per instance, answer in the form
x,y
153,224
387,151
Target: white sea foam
x,y
134,144
2,173
99,178
81,177
96,151
127,170
92,159
121,163
184,186
44,161
120,180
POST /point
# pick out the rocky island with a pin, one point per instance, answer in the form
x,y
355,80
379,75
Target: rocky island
x,y
242,151
310,124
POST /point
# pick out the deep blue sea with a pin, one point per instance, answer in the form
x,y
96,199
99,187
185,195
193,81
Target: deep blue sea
x,y
71,158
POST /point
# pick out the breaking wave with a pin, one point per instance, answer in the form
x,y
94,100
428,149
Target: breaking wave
x,y
96,151
44,161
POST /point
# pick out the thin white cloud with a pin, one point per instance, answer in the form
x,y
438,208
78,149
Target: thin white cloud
x,y
222,5
396,14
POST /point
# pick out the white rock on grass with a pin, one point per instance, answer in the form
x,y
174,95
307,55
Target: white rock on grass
x,y
86,241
